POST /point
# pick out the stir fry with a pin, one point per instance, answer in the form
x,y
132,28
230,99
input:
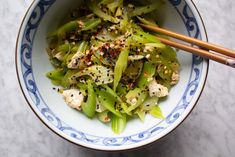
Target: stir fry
x,y
107,66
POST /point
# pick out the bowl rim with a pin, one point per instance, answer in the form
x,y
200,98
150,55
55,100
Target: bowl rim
x,y
195,11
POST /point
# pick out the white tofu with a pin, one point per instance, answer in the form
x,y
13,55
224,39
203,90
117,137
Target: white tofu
x,y
158,90
73,98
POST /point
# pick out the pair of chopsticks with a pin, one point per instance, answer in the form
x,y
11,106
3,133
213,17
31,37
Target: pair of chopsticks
x,y
218,54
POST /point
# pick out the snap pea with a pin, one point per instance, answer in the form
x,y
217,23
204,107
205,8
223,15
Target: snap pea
x,y
91,24
141,114
149,103
104,116
118,124
118,99
67,28
108,101
64,48
82,87
103,2
55,62
114,5
146,9
156,112
57,74
89,106
120,67
111,92
146,75
65,81
136,97
145,21
96,10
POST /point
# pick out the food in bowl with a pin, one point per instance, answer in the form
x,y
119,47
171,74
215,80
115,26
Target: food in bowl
x,y
108,66
32,63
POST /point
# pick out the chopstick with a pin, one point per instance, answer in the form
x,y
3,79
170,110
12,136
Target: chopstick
x,y
222,55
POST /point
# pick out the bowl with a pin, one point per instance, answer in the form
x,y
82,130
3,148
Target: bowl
x,y
32,63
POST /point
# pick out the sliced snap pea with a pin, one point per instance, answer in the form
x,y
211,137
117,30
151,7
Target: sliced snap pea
x,y
157,112
89,106
108,101
146,75
57,74
118,124
146,9
96,10
120,67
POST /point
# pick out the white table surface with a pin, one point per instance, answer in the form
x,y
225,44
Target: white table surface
x,y
208,131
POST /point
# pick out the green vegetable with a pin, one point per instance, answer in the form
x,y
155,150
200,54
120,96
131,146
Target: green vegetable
x,y
120,67
67,28
114,5
55,62
141,114
91,24
105,2
64,48
149,103
145,21
135,98
82,87
148,72
89,106
65,81
111,92
150,38
118,124
57,74
156,112
96,10
104,116
146,9
99,74
102,52
133,71
108,101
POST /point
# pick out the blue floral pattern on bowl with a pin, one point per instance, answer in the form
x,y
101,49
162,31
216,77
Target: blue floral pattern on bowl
x,y
29,81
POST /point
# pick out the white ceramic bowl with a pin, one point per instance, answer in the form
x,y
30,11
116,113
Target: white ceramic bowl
x,y
32,63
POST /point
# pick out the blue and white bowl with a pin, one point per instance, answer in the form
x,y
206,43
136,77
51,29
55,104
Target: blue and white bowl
x,y
32,63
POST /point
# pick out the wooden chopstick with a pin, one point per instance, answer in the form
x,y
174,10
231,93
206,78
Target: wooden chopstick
x,y
224,55
200,52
